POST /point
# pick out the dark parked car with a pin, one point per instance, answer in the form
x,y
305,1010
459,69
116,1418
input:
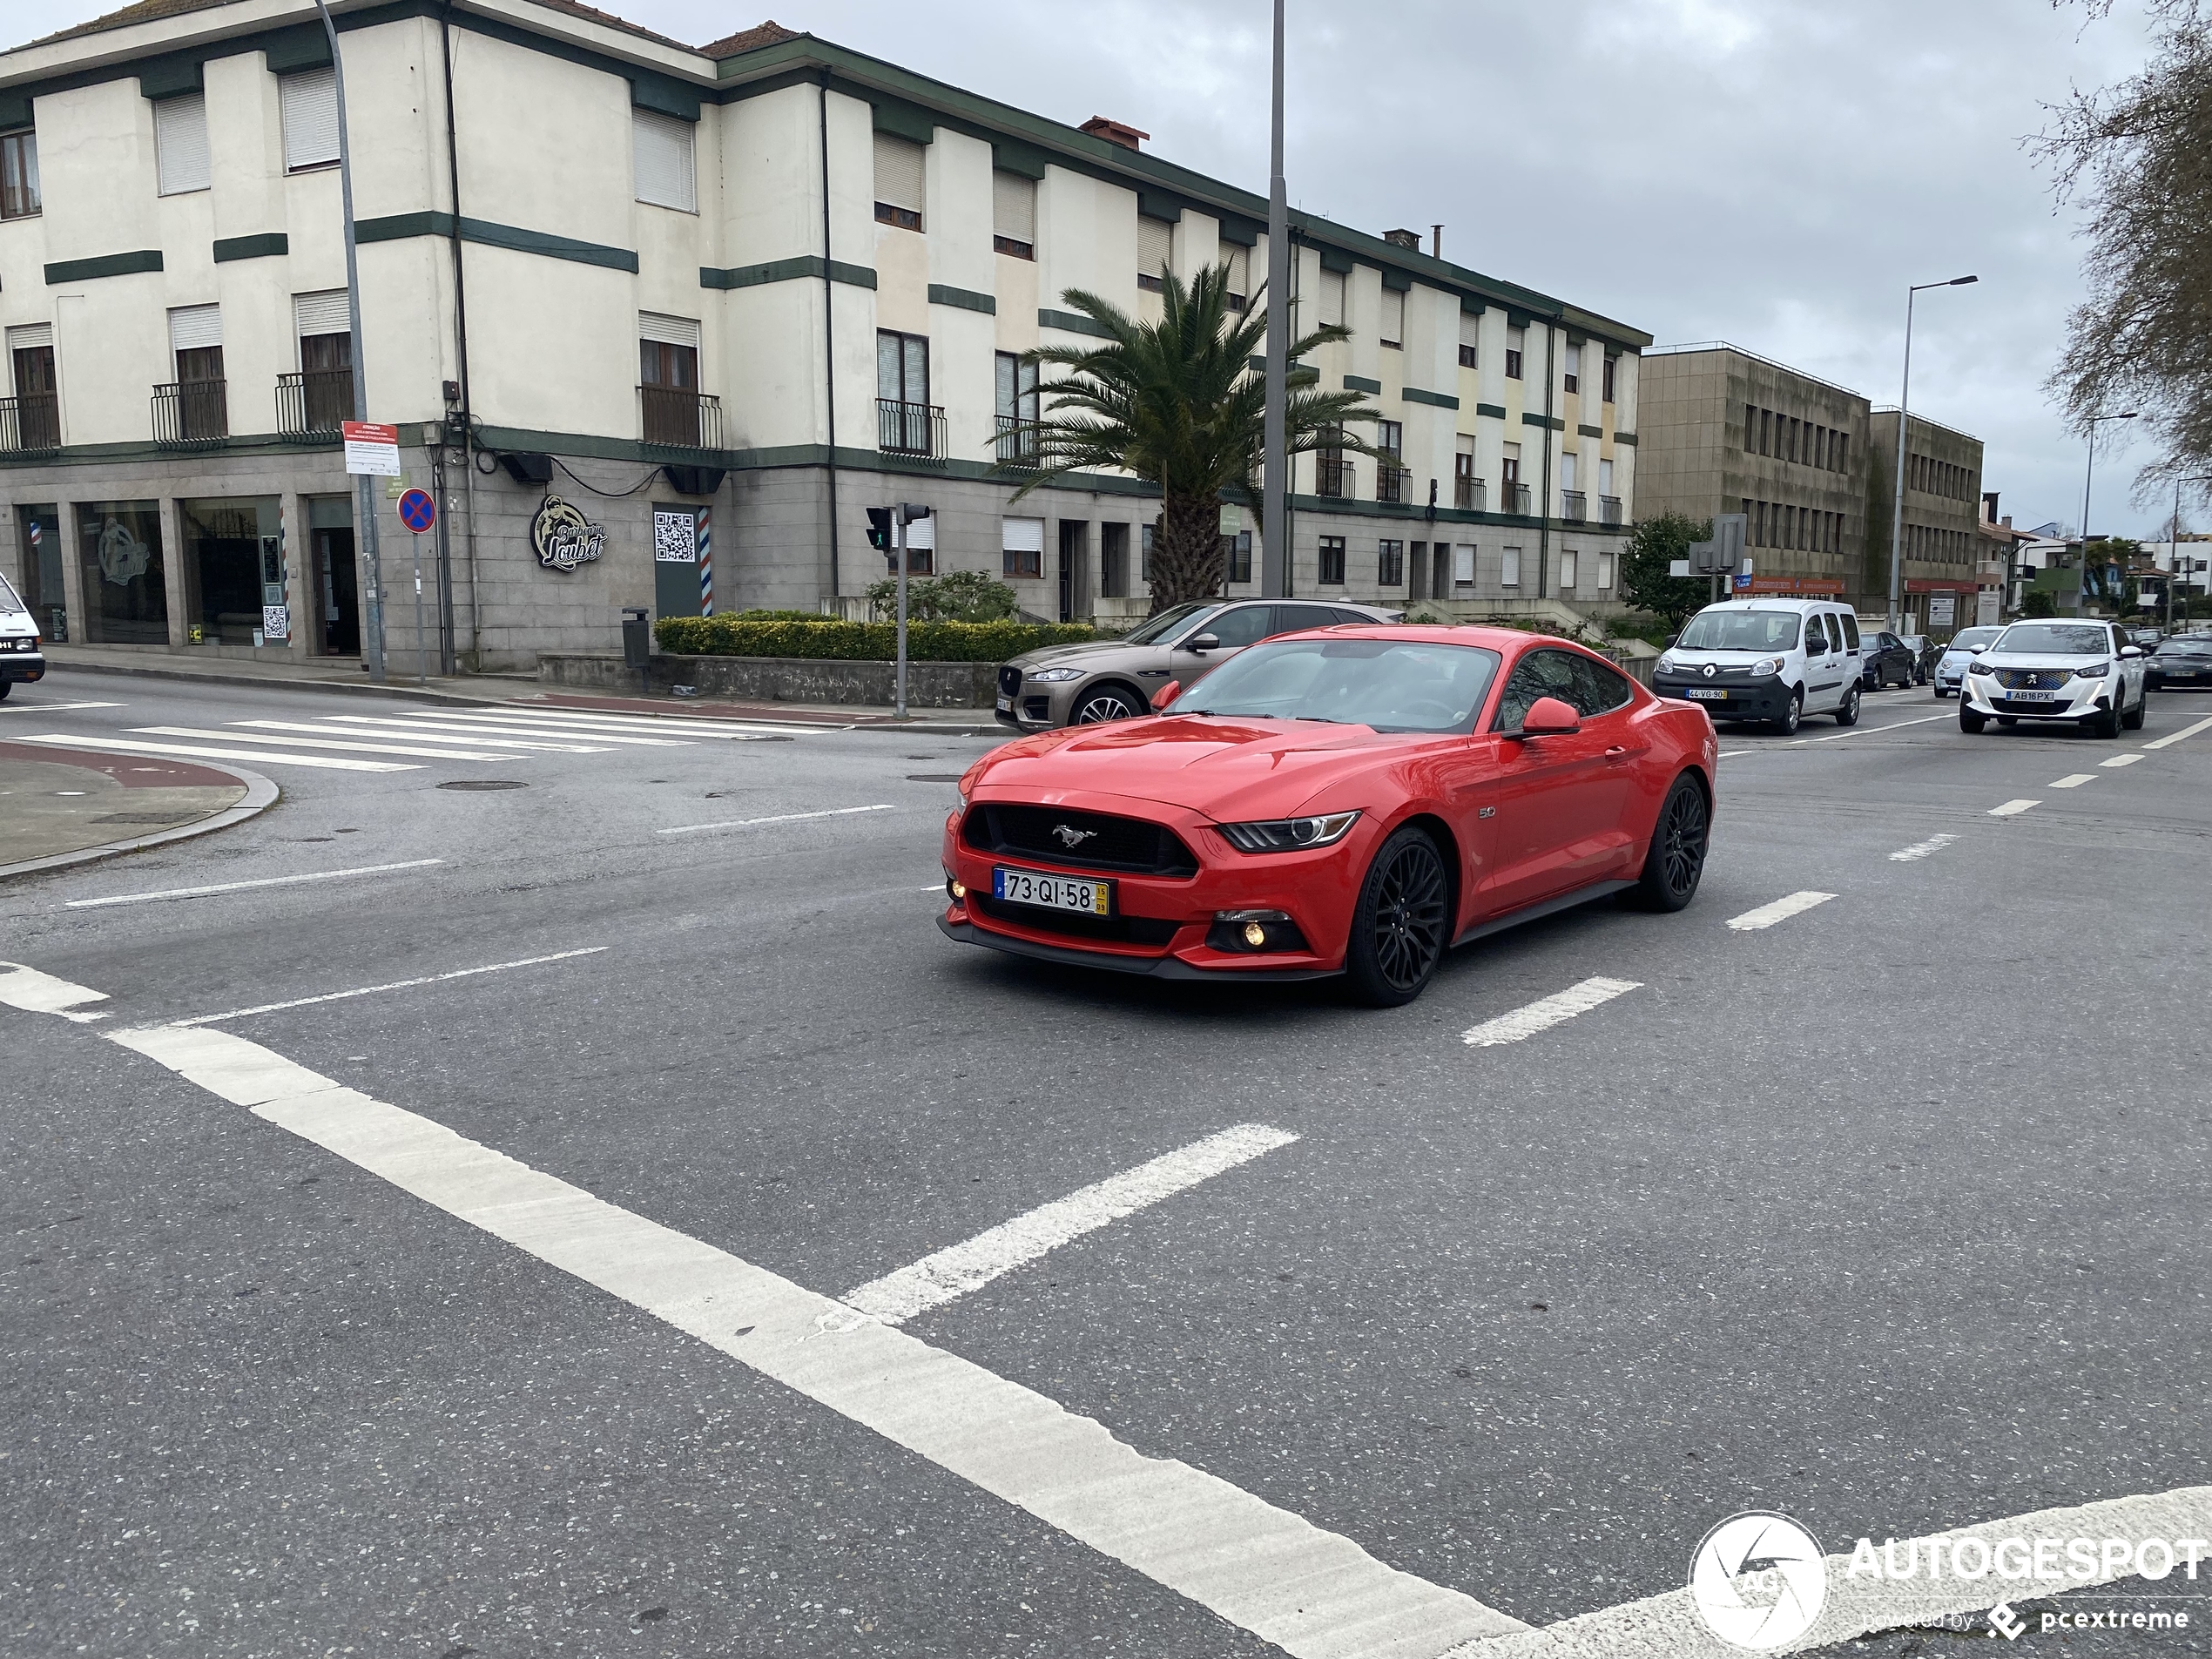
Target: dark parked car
x,y
1884,660
1925,653
2180,664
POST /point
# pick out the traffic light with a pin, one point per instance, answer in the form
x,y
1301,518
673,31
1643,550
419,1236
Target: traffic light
x,y
880,530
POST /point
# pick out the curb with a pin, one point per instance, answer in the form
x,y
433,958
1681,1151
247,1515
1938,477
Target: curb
x,y
260,795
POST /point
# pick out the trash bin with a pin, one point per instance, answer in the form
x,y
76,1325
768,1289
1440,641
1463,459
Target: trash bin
x,y
636,637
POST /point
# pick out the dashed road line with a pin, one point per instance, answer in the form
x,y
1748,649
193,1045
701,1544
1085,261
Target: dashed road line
x,y
240,887
2173,738
2073,780
1921,849
2011,809
1781,910
140,746
55,708
372,990
2120,760
944,1275
780,818
1869,731
1547,1012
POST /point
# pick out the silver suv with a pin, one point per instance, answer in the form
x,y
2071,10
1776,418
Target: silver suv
x,y
1112,679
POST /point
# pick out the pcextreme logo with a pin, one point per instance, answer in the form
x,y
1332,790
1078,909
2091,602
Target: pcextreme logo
x,y
1758,1581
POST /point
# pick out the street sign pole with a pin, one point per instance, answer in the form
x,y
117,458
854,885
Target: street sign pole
x,y
1275,479
898,562
418,511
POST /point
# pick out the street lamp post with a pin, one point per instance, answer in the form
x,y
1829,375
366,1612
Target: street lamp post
x,y
1275,483
1904,424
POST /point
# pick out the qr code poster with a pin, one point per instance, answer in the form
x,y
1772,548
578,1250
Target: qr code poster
x,y
676,538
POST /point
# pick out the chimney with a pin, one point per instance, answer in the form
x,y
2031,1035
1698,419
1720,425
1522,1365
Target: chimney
x,y
1101,126
1404,238
1989,506
1436,241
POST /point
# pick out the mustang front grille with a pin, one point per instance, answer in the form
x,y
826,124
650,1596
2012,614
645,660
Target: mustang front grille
x,y
1086,841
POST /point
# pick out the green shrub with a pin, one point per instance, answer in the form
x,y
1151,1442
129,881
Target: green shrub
x,y
861,642
958,596
778,615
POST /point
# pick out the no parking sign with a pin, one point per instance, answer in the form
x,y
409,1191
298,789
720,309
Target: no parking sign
x,y
417,511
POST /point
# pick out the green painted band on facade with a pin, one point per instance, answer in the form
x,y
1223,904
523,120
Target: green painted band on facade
x,y
1361,383
1591,431
400,227
267,244
1495,411
966,298
1072,323
1434,399
1398,281
664,95
1553,422
1159,204
1022,160
302,46
1628,438
903,120
107,265
1336,260
1236,228
238,443
170,77
808,266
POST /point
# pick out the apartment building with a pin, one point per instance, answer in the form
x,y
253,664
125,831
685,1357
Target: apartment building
x,y
658,323
1809,465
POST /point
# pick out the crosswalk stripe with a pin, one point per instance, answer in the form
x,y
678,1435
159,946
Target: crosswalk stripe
x,y
674,723
412,735
522,729
318,743
139,746
371,726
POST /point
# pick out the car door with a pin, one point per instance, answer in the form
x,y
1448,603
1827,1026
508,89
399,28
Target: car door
x,y
1553,795
1235,626
1845,627
1823,679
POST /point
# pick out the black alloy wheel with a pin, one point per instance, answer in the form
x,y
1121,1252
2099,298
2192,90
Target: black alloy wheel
x,y
1400,925
1676,862
1108,703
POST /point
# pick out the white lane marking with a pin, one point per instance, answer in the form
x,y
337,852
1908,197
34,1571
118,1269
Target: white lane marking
x,y
459,722
1315,1593
37,992
781,818
1870,1602
673,725
138,746
409,734
942,1275
395,985
1546,1012
2120,760
369,725
1725,753
1921,849
2176,737
2074,780
240,887
2011,809
939,888
315,743
55,708
1868,730
1781,910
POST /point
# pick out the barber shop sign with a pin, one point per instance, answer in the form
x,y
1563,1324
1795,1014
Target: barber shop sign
x,y
563,538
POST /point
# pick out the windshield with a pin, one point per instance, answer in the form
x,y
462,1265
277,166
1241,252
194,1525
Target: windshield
x,y
2060,639
2193,647
1378,683
9,603
1967,637
1731,630
1156,628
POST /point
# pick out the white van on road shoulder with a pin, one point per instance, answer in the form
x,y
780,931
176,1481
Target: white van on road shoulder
x,y
1770,660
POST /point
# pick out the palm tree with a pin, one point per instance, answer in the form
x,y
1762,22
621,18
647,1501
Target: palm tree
x,y
1180,405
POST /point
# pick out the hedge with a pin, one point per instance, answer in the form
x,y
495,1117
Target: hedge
x,y
862,642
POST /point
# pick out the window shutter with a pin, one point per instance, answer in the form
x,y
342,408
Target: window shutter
x,y
1155,244
324,313
1022,534
921,534
180,143
1462,566
1238,259
1332,299
309,101
31,337
662,149
668,331
1393,315
195,327
1567,570
1014,207
898,174
1470,327
1509,568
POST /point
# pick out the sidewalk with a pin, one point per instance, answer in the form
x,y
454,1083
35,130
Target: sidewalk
x,y
60,807
343,678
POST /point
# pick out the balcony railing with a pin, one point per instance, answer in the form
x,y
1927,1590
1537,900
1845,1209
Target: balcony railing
x,y
30,423
1512,498
910,428
1574,506
1390,480
1608,509
1332,476
187,414
315,403
1018,443
1468,494
677,418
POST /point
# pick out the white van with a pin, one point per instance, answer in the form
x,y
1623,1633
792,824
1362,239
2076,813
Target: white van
x,y
20,658
1771,660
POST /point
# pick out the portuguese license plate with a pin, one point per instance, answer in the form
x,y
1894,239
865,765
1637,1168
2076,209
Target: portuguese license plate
x,y
1052,891
1005,705
1699,693
2034,697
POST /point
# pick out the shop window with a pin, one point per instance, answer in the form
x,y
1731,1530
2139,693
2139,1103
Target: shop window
x,y
38,533
232,565
126,599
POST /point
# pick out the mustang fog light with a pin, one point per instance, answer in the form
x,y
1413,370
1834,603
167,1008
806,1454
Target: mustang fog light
x,y
1255,935
1250,930
958,889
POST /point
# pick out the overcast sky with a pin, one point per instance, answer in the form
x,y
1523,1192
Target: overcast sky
x,y
1768,174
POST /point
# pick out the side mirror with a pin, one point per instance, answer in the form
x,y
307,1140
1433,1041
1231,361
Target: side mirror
x,y
2131,651
1669,645
1548,718
1976,651
1166,695
1203,642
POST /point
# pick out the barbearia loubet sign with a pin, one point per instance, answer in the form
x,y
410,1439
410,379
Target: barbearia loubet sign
x,y
563,537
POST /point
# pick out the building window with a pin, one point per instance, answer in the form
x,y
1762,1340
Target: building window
x,y
1332,298
1238,261
38,400
1463,566
1843,452
1016,407
1393,318
1607,395
1155,246
1567,562
661,147
1014,215
1509,568
309,104
1023,540
1390,564
18,173
323,323
196,407
898,182
1574,362
1237,552
1470,339
1515,339
904,424
1145,552
1113,561
180,144
1331,562
1605,573
668,379
127,597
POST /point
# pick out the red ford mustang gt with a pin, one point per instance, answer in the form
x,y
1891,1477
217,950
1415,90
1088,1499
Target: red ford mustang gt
x,y
1351,801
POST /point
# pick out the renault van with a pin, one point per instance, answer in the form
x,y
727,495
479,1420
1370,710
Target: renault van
x,y
1770,660
20,658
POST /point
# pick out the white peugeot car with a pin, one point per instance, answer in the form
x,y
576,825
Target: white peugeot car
x,y
2086,671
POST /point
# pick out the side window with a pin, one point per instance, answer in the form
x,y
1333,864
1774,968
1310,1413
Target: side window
x,y
1241,625
1541,673
1599,690
1851,630
1815,636
1290,618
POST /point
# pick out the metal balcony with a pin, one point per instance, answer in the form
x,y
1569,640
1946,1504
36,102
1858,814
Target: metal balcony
x,y
1332,476
1019,443
191,413
916,429
676,417
1574,506
30,424
1469,493
315,404
1512,498
1391,481
1608,509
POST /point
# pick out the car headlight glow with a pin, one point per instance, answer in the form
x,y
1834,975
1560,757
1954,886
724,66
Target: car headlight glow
x,y
2093,670
1056,674
1980,668
1666,661
1289,834
1766,665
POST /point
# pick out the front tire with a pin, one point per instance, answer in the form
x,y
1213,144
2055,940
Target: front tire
x,y
2135,722
1847,711
2107,724
1676,862
1787,725
6,687
1970,721
1401,924
1106,703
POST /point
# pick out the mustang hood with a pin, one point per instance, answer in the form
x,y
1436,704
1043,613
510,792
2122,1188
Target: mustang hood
x,y
1228,769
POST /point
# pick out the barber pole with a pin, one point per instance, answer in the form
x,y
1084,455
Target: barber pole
x,y
707,561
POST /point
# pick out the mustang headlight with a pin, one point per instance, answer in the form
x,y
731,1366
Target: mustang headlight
x,y
1980,668
1289,834
1056,674
1766,665
2092,671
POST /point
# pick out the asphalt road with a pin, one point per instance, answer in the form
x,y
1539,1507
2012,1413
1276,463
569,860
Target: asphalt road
x,y
1889,1216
